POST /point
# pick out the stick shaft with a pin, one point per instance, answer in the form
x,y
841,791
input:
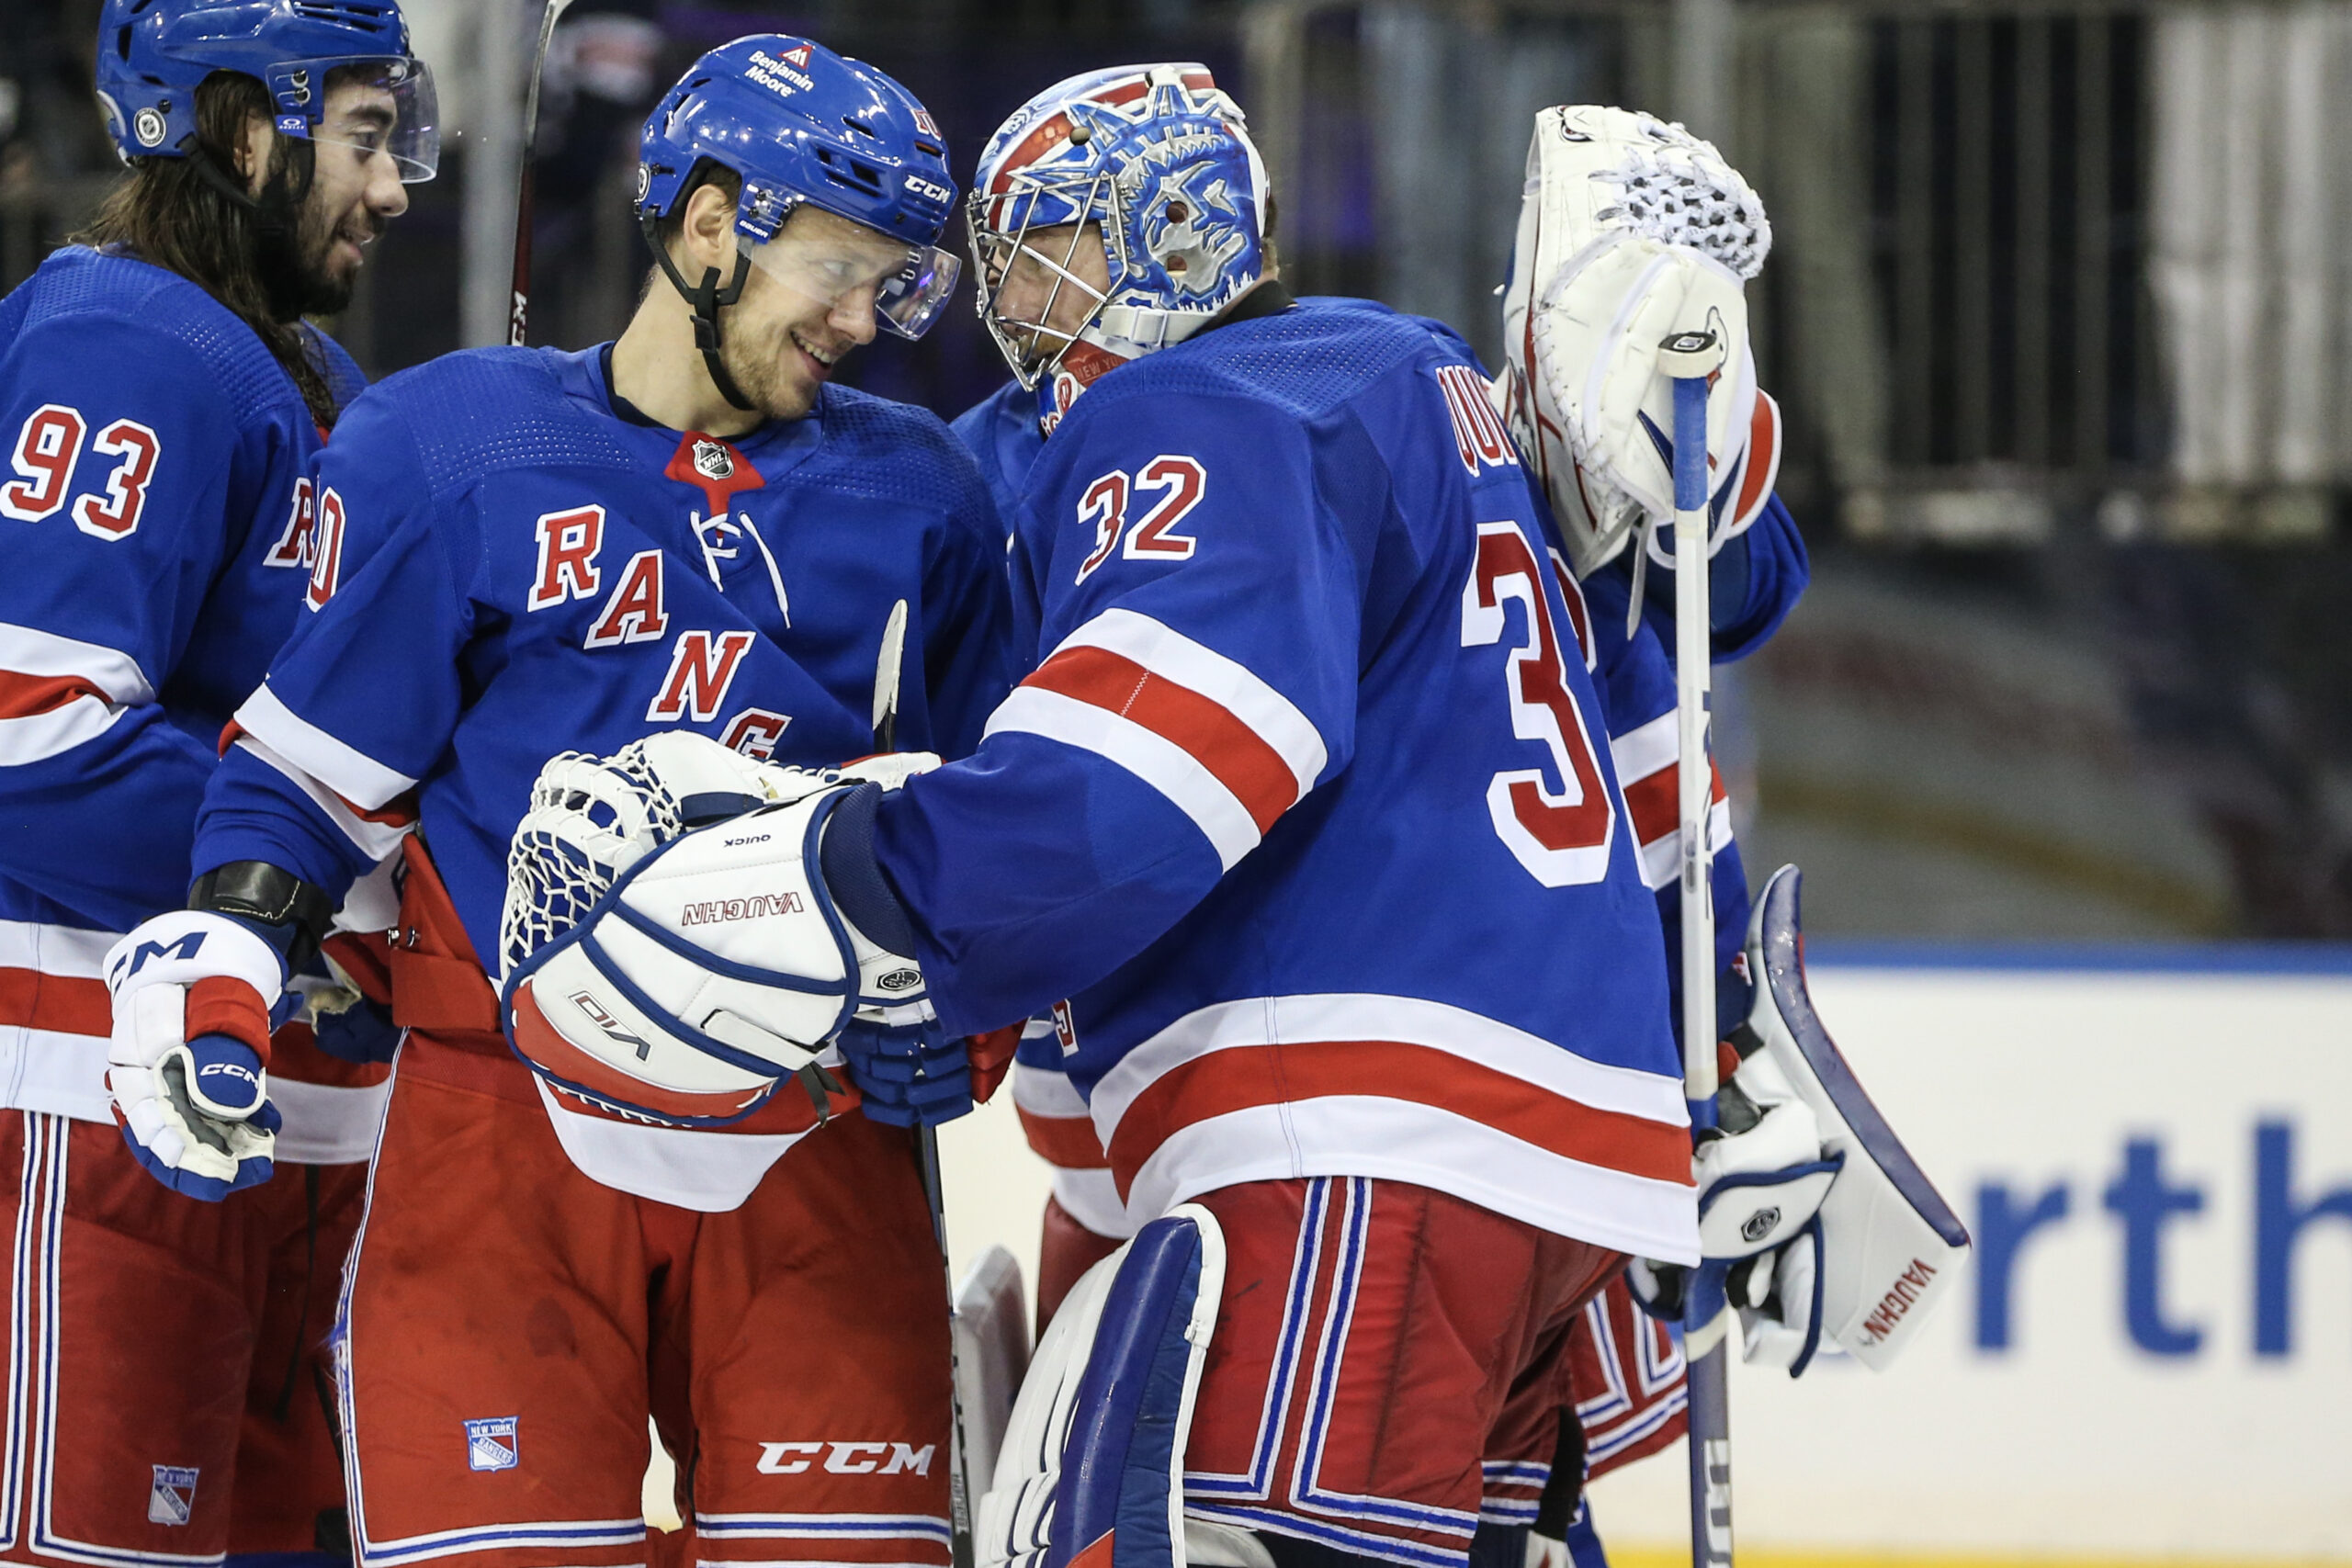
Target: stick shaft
x,y
519,310
1704,1343
886,667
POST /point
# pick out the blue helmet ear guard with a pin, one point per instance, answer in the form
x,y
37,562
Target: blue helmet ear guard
x,y
800,126
154,54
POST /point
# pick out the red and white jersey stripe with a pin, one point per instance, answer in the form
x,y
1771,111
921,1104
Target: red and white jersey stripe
x,y
56,692
55,1016
360,780
1060,1129
376,833
1647,757
1227,749
1363,1085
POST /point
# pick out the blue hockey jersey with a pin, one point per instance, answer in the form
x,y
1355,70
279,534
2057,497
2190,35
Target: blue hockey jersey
x,y
157,534
516,567
1303,795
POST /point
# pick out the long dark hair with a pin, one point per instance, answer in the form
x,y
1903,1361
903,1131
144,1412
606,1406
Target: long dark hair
x,y
164,211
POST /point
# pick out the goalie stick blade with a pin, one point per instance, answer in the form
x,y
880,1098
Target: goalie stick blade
x,y
1893,1246
991,1355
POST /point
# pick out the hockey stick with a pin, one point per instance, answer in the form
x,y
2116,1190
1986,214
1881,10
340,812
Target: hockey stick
x,y
520,310
959,1490
1689,358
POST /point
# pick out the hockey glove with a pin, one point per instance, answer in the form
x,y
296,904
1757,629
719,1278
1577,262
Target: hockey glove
x,y
717,965
1629,227
188,1065
906,1073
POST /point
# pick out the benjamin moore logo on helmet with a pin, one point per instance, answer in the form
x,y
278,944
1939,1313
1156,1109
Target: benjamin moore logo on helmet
x,y
766,68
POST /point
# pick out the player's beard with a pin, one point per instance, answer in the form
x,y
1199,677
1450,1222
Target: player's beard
x,y
297,264
757,361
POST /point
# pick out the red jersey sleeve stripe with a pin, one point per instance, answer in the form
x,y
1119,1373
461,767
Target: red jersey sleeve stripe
x,y
1068,1143
30,999
23,696
1655,803
1253,771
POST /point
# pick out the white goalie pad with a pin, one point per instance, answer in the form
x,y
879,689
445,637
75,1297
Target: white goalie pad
x,y
1630,229
991,1331
1092,1464
1888,1246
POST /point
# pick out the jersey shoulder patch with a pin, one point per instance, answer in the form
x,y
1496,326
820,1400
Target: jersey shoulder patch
x,y
487,410
79,283
886,450
1303,362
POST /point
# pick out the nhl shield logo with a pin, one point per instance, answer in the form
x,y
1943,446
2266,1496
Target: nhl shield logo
x,y
172,1498
490,1444
713,461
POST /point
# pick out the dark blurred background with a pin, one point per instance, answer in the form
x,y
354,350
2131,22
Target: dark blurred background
x,y
2057,315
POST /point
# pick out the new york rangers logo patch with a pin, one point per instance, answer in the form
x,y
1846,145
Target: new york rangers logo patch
x,y
490,1444
172,1498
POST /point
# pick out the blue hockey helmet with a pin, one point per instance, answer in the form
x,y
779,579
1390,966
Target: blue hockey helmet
x,y
153,54
801,125
1159,159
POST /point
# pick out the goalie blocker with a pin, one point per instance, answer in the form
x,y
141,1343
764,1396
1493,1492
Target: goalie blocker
x,y
1813,1218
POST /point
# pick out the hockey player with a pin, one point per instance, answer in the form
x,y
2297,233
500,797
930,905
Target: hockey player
x,y
1302,799
689,529
160,397
1629,1389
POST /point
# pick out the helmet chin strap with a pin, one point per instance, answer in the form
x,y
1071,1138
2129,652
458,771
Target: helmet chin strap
x,y
275,214
274,210
708,300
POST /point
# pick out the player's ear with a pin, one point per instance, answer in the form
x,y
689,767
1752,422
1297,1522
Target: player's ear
x,y
708,234
253,152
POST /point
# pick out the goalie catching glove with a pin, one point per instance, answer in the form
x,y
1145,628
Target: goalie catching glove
x,y
1630,229
676,973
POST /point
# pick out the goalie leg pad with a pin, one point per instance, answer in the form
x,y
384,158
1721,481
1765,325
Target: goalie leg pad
x,y
1888,1244
1092,1465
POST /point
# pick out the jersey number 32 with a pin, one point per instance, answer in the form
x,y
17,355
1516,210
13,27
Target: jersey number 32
x,y
1561,836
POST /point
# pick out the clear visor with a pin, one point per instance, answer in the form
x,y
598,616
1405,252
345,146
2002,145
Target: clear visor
x,y
1031,298
906,286
380,108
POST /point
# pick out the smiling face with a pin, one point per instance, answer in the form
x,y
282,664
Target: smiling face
x,y
807,300
354,191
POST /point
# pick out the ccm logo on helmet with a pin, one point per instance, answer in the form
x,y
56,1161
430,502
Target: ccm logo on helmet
x,y
930,190
847,1459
